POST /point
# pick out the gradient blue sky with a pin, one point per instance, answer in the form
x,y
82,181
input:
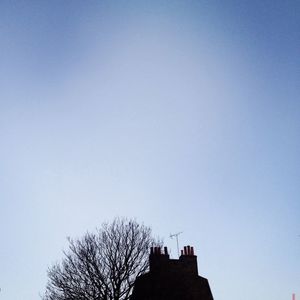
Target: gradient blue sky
x,y
183,114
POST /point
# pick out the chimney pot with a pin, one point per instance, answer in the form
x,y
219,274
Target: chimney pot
x,y
166,250
185,250
189,250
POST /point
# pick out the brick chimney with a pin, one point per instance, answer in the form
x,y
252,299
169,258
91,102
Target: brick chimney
x,y
157,259
188,261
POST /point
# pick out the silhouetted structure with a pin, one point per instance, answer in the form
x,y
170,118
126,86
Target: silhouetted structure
x,y
172,279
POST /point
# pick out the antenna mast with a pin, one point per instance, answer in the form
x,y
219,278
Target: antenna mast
x,y
176,236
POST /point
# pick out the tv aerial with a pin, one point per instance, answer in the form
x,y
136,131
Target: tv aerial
x,y
175,235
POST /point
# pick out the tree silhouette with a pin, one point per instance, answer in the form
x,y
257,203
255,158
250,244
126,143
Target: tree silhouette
x,y
102,265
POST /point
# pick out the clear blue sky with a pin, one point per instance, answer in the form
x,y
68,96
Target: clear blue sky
x,y
183,114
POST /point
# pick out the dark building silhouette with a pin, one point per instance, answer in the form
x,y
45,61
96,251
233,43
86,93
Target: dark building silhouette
x,y
172,279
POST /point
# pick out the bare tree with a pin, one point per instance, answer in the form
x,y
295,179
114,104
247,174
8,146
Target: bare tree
x,y
102,265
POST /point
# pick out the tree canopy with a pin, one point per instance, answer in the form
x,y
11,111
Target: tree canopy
x,y
102,265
